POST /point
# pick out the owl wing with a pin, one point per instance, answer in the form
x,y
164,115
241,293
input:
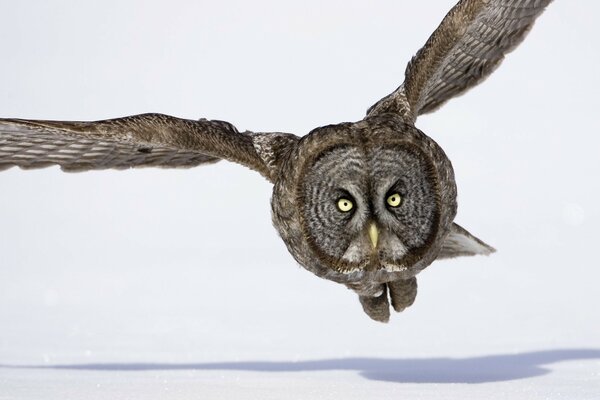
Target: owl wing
x,y
466,48
459,243
147,140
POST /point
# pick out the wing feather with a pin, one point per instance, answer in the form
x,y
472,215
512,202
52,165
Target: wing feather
x,y
466,48
147,140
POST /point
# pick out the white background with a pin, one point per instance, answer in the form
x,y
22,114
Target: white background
x,y
173,283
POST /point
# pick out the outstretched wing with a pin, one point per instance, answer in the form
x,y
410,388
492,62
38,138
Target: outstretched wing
x,y
466,48
147,140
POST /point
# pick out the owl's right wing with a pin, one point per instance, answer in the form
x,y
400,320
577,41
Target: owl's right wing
x,y
147,140
466,48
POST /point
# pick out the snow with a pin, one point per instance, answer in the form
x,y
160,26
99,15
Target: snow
x,y
161,284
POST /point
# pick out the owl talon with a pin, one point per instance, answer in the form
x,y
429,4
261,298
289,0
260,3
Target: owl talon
x,y
403,293
378,308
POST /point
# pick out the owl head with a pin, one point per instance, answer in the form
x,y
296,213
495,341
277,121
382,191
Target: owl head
x,y
367,204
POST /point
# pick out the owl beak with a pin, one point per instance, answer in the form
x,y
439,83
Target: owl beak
x,y
373,234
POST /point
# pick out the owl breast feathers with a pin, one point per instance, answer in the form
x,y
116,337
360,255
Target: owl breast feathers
x,y
367,204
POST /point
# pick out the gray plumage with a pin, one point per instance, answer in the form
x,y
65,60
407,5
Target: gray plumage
x,y
367,204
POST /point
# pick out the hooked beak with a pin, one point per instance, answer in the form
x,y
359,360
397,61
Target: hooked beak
x,y
373,235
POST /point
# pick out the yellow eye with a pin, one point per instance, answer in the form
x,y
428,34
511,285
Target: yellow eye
x,y
394,200
345,205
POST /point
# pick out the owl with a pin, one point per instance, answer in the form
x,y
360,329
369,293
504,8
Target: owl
x,y
367,204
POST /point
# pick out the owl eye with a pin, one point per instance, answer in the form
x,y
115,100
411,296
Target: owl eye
x,y
345,205
394,200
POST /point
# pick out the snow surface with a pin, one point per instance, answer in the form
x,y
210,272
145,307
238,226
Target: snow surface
x,y
160,284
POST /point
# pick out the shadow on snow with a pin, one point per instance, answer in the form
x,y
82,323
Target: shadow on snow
x,y
483,369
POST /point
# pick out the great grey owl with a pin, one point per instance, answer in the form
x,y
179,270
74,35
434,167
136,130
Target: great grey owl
x,y
367,204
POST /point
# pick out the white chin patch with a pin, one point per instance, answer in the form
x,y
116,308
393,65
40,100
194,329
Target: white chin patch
x,y
357,252
389,247
393,247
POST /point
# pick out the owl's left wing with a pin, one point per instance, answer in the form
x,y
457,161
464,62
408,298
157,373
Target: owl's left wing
x,y
459,243
466,48
147,140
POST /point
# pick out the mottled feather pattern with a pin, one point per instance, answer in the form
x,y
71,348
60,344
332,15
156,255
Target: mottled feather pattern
x,y
460,243
466,48
374,248
28,151
147,140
